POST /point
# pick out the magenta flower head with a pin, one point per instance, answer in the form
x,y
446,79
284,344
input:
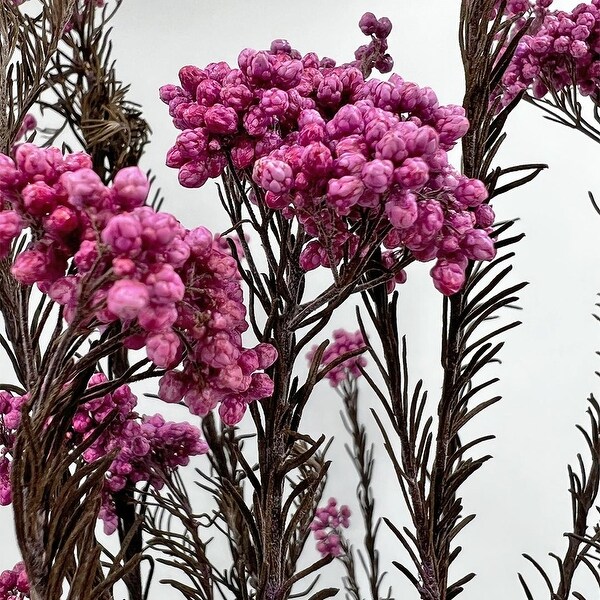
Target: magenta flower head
x,y
131,187
127,298
30,266
327,525
368,23
448,277
123,234
477,245
163,349
332,150
273,175
84,188
221,119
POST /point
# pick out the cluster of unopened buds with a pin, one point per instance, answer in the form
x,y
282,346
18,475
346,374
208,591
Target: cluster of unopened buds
x,y
14,584
561,49
374,54
335,151
145,447
10,419
520,8
326,527
343,342
171,288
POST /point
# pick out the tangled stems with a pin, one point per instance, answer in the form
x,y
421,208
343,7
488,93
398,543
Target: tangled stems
x,y
277,418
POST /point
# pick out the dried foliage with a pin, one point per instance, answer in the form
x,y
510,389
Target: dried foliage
x,y
88,96
362,456
27,46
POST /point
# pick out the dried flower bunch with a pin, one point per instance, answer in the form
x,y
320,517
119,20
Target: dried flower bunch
x,y
320,166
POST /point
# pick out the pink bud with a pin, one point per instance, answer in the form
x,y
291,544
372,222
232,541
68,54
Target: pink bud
x,y
221,119
401,210
123,267
377,175
232,411
448,277
11,225
30,266
274,102
39,198
84,188
131,187
165,285
157,318
412,174
477,245
172,387
86,255
273,175
193,175
190,77
126,298
267,355
345,192
34,162
471,192
316,159
368,23
123,234
61,222
163,349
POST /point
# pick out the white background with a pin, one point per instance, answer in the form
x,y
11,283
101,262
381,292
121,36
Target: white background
x,y
548,366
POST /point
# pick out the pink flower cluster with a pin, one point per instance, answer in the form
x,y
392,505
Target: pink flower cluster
x,y
373,54
519,8
335,150
178,291
5,488
562,49
142,443
10,418
326,527
14,584
343,342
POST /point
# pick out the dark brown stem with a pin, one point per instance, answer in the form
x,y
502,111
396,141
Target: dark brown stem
x,y
363,460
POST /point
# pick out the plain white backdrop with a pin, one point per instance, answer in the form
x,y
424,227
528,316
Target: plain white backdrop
x,y
520,497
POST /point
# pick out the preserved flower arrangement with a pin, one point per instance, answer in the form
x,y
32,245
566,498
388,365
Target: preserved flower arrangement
x,y
320,166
